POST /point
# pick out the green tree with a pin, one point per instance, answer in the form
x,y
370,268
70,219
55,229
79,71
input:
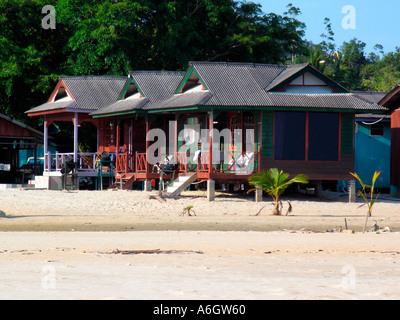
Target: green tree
x,y
109,37
29,56
352,61
381,74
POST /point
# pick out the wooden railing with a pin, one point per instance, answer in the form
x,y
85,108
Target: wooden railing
x,y
141,162
86,161
124,163
239,163
244,163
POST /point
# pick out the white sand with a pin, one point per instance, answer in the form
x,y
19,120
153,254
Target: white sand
x,y
39,210
57,263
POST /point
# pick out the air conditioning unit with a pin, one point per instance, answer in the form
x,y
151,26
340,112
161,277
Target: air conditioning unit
x,y
5,167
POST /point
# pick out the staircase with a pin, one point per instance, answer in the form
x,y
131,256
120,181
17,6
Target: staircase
x,y
123,182
180,184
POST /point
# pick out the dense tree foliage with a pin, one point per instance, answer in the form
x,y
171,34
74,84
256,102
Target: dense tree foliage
x,y
351,66
112,37
100,37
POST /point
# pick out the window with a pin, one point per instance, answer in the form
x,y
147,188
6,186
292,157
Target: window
x,y
323,136
290,135
376,130
306,136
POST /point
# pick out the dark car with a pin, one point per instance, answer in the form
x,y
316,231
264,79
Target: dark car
x,y
29,166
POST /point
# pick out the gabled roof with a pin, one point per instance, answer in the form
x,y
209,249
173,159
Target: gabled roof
x,y
293,71
154,86
372,96
257,85
85,93
392,99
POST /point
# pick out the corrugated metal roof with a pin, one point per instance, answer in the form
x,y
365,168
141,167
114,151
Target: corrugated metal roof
x,y
373,96
88,92
155,85
244,84
373,116
54,106
182,100
332,100
122,106
285,74
94,92
236,83
228,84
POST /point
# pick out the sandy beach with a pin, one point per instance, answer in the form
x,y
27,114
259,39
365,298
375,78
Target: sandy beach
x,y
43,210
127,245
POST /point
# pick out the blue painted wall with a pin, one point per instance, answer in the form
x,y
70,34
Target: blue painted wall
x,y
372,154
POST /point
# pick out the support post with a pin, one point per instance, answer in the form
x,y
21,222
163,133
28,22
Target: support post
x,y
147,185
210,142
258,192
118,134
352,191
45,142
318,189
210,190
147,142
76,137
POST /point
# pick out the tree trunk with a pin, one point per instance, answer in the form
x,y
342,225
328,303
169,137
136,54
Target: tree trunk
x,y
277,209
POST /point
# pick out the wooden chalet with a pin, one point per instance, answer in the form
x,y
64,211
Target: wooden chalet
x,y
295,118
124,124
73,100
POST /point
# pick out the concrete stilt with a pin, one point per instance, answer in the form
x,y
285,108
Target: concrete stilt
x,y
259,195
352,191
147,185
210,190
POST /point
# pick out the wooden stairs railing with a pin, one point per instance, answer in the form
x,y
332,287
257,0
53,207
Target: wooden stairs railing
x,y
123,182
180,184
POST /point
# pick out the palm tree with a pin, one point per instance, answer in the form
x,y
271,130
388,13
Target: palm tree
x,y
368,199
275,182
317,57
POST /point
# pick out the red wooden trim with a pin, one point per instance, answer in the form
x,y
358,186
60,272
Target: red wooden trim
x,y
53,94
283,89
118,134
210,142
44,113
60,83
273,135
307,85
147,142
307,136
259,142
340,137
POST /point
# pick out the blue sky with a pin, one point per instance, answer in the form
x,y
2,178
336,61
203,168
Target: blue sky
x,y
377,21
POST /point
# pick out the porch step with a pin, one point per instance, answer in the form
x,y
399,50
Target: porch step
x,y
180,184
123,182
